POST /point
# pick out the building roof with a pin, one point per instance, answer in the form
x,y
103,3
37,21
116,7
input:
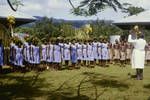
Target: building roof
x,y
142,19
20,17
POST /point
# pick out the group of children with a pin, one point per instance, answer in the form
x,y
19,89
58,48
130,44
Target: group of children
x,y
71,53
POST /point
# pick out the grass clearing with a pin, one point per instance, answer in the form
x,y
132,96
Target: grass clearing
x,y
112,83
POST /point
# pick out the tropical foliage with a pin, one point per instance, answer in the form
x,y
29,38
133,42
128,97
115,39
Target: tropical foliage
x,y
45,29
133,10
92,7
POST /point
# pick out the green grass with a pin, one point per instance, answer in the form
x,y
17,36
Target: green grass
x,y
112,83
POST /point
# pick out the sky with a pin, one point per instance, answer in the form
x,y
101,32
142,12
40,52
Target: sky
x,y
61,9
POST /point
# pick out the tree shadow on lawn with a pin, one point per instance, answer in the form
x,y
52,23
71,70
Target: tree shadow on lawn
x,y
107,81
30,87
148,98
66,96
111,83
147,86
24,87
97,75
95,80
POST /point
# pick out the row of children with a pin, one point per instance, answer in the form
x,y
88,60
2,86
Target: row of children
x,y
54,53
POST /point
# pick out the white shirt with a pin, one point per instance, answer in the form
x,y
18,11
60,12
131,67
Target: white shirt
x,y
138,43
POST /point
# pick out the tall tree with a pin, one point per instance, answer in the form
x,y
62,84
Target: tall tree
x,y
92,7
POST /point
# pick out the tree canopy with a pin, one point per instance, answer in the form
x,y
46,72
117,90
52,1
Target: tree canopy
x,y
92,7
132,10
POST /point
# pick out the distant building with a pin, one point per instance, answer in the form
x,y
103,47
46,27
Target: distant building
x,y
113,38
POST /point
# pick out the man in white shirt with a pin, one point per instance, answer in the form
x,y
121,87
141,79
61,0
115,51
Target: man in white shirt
x,y
138,54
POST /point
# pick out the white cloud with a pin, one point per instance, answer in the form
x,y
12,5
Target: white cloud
x,y
58,4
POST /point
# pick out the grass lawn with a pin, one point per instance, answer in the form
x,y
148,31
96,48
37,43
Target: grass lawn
x,y
112,83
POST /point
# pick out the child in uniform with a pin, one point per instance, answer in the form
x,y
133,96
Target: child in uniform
x,y
79,53
148,53
36,53
99,50
50,52
26,53
128,52
61,43
12,51
90,55
122,54
57,55
43,53
116,52
66,52
31,52
73,53
84,50
1,55
95,50
19,54
105,53
110,50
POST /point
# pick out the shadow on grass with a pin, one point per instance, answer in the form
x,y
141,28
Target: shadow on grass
x,y
67,96
106,81
147,86
110,83
31,86
95,79
97,75
148,98
23,87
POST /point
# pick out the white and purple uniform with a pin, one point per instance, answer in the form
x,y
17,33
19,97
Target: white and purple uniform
x,y
1,55
19,57
50,53
105,53
62,48
99,50
66,53
90,55
26,53
57,53
79,52
12,53
95,50
31,51
84,52
73,53
44,56
36,55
